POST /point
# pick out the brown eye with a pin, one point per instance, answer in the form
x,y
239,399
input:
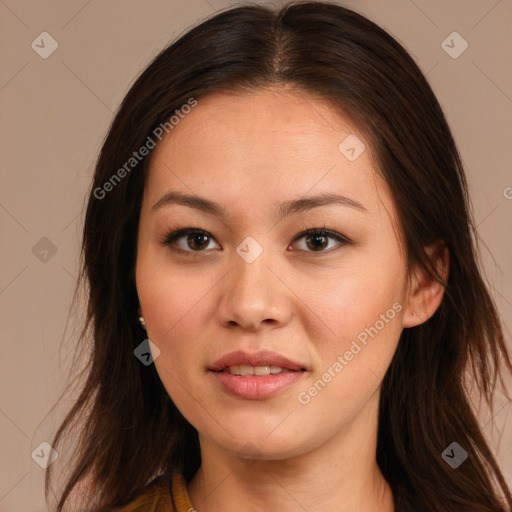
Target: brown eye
x,y
197,241
188,240
317,240
194,240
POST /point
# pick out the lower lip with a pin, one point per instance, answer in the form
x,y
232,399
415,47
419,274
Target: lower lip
x,y
257,387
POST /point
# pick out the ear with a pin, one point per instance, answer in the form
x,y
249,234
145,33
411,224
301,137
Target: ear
x,y
139,310
425,293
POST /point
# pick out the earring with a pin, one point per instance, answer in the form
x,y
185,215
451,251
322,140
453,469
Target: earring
x,y
142,322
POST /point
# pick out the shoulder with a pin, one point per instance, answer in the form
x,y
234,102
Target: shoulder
x,y
155,497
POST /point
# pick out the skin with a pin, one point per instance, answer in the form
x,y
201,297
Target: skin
x,y
250,152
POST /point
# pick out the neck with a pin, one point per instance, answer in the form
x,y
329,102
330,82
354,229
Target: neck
x,y
342,475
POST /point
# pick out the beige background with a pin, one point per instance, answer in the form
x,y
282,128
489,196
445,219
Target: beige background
x,y
55,113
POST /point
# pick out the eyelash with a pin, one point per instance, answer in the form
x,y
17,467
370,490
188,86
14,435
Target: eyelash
x,y
177,232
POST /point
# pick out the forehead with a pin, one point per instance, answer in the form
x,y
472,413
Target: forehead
x,y
256,147
261,118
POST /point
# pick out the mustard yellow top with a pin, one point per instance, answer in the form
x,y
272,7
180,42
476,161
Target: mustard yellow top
x,y
157,498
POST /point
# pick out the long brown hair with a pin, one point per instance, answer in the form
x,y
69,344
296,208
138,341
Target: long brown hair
x,y
131,430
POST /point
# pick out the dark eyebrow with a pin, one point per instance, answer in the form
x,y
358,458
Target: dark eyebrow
x,y
307,203
284,210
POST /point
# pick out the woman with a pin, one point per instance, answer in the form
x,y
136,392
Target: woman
x,y
284,297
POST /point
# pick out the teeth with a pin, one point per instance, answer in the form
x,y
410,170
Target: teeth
x,y
261,370
244,370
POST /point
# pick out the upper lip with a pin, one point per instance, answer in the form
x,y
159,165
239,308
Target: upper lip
x,y
262,358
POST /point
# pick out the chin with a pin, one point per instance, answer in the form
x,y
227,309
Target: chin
x,y
263,446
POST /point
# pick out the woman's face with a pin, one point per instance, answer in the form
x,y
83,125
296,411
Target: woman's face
x,y
267,166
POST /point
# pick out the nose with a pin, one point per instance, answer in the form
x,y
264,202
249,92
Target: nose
x,y
254,294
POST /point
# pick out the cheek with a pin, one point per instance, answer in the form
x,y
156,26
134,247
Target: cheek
x,y
363,323
174,304
360,310
174,308
169,297
353,299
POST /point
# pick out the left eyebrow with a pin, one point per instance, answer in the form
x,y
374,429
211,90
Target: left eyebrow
x,y
284,209
307,203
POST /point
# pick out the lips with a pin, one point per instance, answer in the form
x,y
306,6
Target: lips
x,y
256,376
245,360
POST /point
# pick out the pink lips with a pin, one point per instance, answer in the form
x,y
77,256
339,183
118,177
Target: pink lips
x,y
252,386
262,358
